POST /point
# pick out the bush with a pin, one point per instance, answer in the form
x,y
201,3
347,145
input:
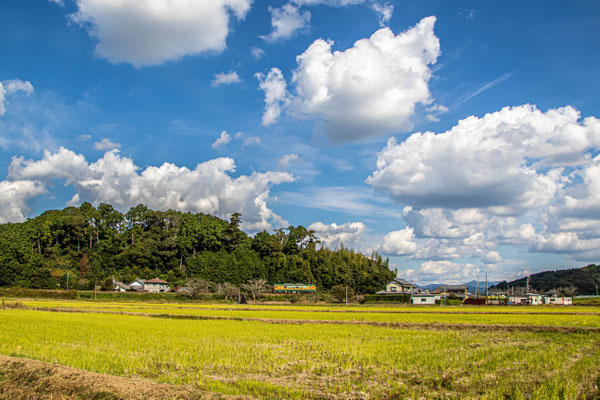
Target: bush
x,y
338,292
141,296
395,298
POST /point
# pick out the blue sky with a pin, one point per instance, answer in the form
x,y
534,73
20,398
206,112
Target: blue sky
x,y
315,113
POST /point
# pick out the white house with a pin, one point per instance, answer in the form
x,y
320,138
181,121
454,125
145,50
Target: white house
x,y
152,285
423,299
398,286
156,286
533,299
563,301
137,285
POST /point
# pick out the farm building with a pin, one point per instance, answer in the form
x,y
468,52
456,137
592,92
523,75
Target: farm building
x,y
120,287
152,285
137,285
424,299
457,290
533,299
563,301
399,286
156,286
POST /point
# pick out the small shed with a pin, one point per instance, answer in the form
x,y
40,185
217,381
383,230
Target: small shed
x,y
555,300
120,287
137,285
518,299
423,299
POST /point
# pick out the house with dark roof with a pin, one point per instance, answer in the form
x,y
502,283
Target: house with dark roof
x,y
457,290
151,285
156,286
399,286
120,287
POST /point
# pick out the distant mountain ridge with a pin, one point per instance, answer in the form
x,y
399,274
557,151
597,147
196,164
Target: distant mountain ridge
x,y
576,281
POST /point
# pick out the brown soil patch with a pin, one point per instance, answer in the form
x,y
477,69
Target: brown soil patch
x,y
24,379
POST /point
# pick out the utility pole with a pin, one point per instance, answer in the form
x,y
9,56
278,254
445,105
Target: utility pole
x,y
346,295
95,290
67,281
477,286
596,290
527,291
486,285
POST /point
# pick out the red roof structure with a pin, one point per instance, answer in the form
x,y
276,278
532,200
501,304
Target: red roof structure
x,y
156,280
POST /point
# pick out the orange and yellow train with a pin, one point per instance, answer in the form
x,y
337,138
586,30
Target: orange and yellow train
x,y
294,288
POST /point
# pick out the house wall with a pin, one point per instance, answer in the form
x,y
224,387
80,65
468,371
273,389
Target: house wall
x,y
558,300
156,287
395,287
422,300
535,300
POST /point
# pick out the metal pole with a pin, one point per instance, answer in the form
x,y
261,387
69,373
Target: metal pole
x,y
94,290
346,295
67,281
477,286
486,285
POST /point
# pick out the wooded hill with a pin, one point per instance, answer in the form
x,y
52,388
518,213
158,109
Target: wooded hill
x,y
93,244
572,281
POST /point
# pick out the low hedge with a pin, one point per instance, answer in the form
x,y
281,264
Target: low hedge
x,y
144,296
38,293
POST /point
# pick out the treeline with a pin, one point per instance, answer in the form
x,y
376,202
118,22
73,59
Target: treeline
x,y
86,246
570,282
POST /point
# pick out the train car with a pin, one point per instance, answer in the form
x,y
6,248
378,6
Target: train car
x,y
294,288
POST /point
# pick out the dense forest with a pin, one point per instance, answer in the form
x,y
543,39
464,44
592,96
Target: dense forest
x,y
572,281
89,245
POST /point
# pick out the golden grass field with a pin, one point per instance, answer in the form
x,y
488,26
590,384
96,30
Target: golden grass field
x,y
290,351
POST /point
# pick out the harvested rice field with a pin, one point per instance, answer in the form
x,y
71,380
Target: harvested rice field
x,y
297,352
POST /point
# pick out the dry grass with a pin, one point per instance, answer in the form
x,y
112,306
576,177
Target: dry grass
x,y
24,379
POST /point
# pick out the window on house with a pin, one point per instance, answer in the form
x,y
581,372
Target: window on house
x,y
392,288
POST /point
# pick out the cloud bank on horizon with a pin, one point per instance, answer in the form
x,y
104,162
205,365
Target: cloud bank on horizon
x,y
361,128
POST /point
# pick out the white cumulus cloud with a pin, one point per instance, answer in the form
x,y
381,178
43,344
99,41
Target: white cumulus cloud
x,y
222,140
286,21
494,162
106,144
115,179
399,243
257,52
13,199
225,78
333,235
9,87
251,141
285,161
518,176
445,272
151,32
369,89
274,87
